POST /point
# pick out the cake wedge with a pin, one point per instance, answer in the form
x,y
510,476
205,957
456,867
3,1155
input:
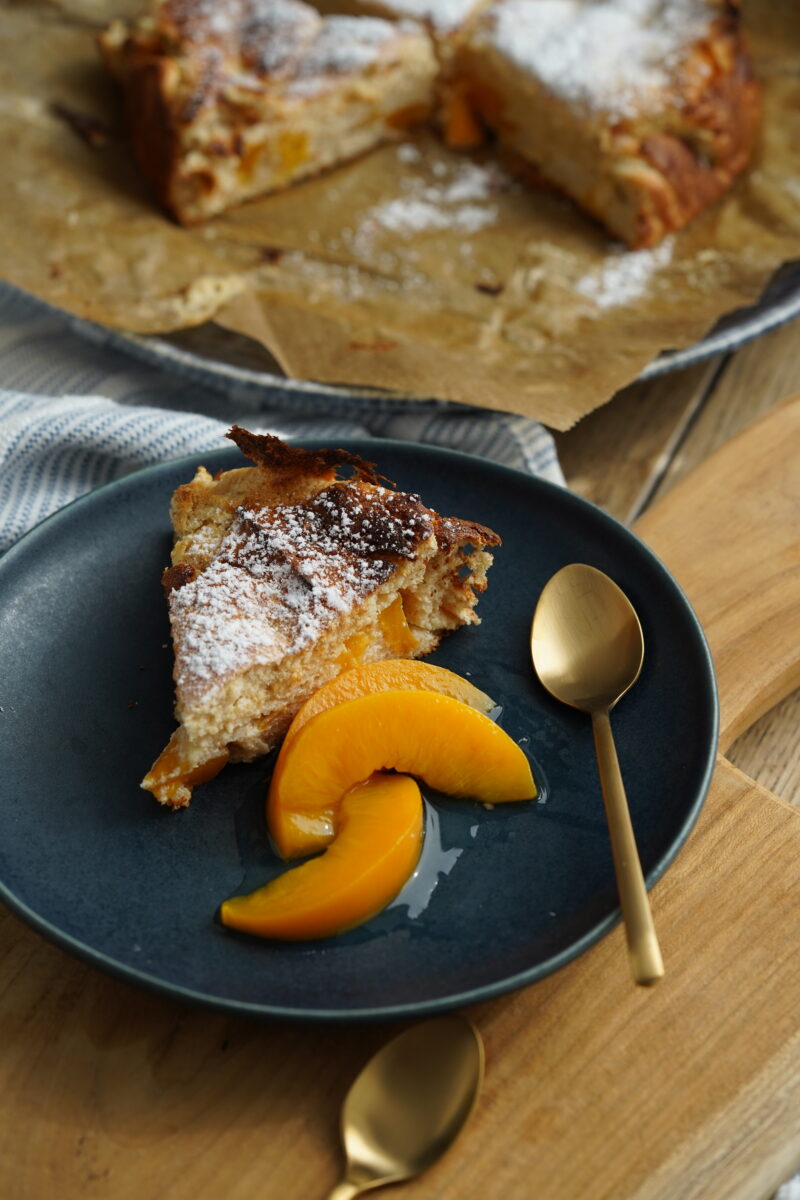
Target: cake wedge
x,y
226,100
286,573
642,111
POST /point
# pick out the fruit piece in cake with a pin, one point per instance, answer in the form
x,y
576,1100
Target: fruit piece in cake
x,y
453,747
230,99
283,574
642,111
377,846
447,22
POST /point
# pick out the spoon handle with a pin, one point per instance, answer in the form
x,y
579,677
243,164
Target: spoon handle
x,y
647,966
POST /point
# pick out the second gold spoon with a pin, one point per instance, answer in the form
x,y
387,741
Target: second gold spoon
x,y
409,1103
587,649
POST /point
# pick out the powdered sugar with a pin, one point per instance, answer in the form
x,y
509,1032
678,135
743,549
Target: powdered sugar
x,y
460,199
626,276
443,15
277,34
347,46
224,19
284,574
430,212
610,55
285,39
218,623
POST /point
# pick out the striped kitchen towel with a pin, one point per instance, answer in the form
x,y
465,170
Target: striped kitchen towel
x,y
79,407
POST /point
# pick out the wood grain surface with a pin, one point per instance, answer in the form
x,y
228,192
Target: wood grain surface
x,y
595,1090
630,453
739,562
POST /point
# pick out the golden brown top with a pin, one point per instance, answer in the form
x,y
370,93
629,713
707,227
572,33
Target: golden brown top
x,y
270,453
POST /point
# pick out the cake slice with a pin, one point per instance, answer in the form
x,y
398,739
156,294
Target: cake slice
x,y
230,99
284,574
642,111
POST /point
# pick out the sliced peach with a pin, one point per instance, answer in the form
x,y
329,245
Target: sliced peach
x,y
453,747
391,674
353,653
376,848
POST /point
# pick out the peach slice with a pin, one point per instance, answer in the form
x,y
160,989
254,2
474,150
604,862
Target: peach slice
x,y
453,747
377,846
390,674
314,830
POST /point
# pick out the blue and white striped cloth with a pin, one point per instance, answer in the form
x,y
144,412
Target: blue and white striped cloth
x,y
76,411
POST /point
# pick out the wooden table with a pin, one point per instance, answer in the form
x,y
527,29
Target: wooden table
x,y
630,453
111,1093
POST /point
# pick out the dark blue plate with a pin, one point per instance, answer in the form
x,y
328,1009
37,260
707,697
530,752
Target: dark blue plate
x,y
503,896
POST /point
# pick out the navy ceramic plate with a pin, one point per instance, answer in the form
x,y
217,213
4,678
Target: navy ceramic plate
x,y
502,898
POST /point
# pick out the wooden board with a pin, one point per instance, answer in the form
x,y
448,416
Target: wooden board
x,y
730,532
594,1089
629,453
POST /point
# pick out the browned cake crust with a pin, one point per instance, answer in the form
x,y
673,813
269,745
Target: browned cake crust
x,y
707,140
705,137
284,574
289,475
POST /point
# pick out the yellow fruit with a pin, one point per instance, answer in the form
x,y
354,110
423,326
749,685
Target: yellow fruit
x,y
453,747
376,848
171,780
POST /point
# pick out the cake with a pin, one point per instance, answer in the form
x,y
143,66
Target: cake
x,y
642,111
229,99
284,574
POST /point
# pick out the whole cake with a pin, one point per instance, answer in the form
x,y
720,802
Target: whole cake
x,y
642,111
284,574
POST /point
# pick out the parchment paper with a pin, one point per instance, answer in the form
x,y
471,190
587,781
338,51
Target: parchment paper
x,y
414,268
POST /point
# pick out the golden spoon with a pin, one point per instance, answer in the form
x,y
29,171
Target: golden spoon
x,y
587,649
409,1103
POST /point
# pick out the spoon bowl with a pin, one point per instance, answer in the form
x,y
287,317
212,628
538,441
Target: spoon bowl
x,y
586,639
409,1103
587,648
